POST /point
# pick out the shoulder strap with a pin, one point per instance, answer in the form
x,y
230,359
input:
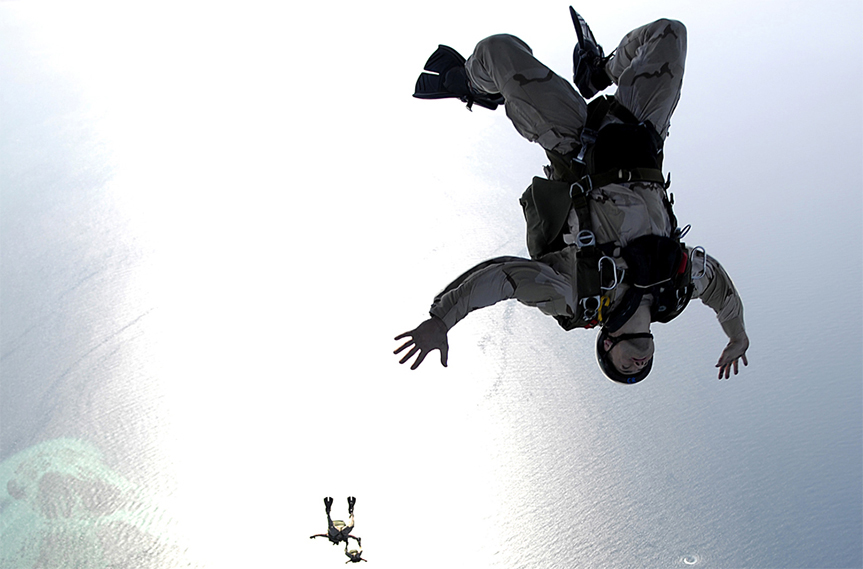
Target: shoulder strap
x,y
596,111
621,112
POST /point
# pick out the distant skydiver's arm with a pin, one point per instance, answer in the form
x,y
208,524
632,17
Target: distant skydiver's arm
x,y
716,290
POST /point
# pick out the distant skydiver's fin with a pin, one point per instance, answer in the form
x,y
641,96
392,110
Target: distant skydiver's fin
x,y
588,60
445,77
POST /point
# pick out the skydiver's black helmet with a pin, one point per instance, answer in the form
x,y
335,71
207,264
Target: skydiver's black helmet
x,y
607,366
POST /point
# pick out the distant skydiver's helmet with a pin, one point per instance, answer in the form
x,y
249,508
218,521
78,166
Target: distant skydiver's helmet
x,y
607,366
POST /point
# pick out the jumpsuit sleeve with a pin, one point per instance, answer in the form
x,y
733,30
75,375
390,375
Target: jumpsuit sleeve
x,y
532,283
716,290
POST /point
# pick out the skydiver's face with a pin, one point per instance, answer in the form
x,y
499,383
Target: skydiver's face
x,y
630,357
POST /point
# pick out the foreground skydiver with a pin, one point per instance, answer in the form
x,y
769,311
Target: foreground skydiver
x,y
338,531
604,242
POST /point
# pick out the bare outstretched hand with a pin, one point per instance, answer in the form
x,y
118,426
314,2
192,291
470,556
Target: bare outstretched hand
x,y
428,336
734,350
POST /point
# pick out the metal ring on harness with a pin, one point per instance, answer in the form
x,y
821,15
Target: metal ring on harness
x,y
585,238
614,268
697,276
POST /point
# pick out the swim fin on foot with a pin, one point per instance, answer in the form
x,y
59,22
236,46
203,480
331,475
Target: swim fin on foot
x,y
445,77
588,60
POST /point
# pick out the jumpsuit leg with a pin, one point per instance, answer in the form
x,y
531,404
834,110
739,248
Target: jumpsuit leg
x,y
544,107
332,530
346,531
648,70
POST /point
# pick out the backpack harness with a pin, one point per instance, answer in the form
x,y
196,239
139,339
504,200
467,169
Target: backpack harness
x,y
618,152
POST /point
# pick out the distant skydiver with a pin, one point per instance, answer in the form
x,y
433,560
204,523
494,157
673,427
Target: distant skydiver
x,y
355,555
604,243
338,531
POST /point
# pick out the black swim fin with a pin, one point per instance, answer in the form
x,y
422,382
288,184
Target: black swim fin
x,y
443,59
588,60
431,87
445,77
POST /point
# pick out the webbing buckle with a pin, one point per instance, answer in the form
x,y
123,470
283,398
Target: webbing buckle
x,y
585,238
588,139
681,299
582,189
590,307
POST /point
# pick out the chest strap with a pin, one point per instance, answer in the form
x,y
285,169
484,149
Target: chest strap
x,y
618,176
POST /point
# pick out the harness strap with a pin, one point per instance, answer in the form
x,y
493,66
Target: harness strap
x,y
616,176
597,110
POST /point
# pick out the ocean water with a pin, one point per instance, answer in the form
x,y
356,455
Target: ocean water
x,y
199,287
